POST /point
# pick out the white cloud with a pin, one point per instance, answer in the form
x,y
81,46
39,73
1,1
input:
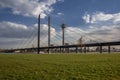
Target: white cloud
x,y
29,7
14,30
86,17
61,0
116,18
106,33
103,26
99,30
101,34
9,29
12,34
73,34
59,13
101,17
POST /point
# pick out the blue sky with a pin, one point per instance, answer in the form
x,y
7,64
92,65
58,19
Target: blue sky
x,y
72,10
98,18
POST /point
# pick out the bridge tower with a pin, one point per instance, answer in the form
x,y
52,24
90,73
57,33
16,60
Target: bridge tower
x,y
63,34
38,34
49,35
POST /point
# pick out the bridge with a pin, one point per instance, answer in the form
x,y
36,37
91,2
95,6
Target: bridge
x,y
66,48
81,46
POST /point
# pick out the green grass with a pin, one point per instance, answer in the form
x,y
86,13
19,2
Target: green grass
x,y
60,66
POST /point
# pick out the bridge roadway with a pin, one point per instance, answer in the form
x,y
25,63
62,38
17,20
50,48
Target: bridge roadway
x,y
67,47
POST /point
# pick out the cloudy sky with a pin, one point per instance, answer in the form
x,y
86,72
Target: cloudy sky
x,y
94,20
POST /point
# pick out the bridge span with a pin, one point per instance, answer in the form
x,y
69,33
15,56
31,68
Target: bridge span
x,y
70,48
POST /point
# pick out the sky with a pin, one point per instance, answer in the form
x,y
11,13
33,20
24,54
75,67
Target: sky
x,y
94,20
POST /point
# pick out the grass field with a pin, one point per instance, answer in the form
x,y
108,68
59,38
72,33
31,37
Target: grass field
x,y
60,67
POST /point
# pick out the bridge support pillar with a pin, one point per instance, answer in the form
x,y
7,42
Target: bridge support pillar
x,y
49,50
108,48
68,50
88,49
60,50
63,50
81,49
100,48
85,50
76,49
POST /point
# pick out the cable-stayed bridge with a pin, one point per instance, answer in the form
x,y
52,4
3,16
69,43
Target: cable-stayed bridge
x,y
66,41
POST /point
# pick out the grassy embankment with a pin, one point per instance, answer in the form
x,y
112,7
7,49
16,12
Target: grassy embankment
x,y
60,67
